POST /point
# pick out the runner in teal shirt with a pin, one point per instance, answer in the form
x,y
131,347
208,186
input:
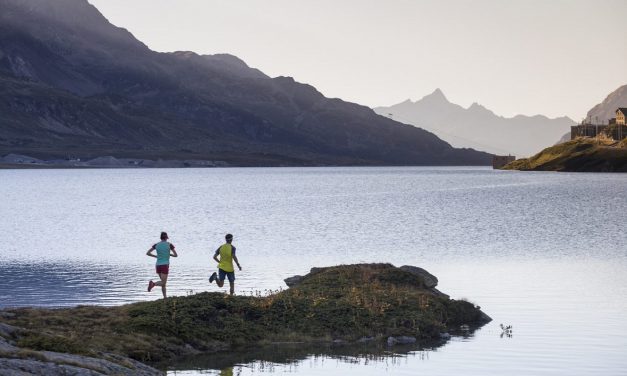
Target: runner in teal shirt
x,y
164,250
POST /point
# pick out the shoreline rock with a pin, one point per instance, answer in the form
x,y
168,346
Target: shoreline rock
x,y
401,340
17,360
24,161
430,281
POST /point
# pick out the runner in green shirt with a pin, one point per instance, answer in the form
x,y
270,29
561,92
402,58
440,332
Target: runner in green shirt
x,y
225,264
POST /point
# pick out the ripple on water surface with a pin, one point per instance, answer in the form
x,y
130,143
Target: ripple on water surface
x,y
544,252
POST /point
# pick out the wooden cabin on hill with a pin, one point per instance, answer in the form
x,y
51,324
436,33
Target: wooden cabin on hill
x,y
621,113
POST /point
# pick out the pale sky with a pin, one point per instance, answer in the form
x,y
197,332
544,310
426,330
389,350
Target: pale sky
x,y
551,57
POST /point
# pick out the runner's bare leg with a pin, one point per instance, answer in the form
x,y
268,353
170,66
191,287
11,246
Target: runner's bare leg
x,y
162,283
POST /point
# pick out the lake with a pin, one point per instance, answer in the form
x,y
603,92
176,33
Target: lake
x,y
543,252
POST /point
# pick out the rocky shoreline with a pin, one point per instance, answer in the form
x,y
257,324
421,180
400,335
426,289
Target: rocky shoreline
x,y
16,360
18,161
583,154
347,304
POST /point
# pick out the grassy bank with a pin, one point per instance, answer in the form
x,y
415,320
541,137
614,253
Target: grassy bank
x,y
581,154
343,302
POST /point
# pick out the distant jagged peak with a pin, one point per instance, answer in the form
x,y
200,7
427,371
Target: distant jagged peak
x,y
475,106
564,118
478,109
436,96
437,100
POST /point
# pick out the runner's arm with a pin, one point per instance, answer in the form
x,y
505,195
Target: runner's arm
x,y
215,255
173,251
235,259
149,253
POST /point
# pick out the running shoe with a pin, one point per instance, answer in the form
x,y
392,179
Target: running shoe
x,y
151,284
213,277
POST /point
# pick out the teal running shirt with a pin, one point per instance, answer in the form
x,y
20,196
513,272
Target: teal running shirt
x,y
163,252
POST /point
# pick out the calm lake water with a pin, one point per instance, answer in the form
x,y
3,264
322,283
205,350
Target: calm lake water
x,y
543,252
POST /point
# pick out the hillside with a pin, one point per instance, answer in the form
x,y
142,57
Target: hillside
x,y
72,84
477,127
580,155
607,109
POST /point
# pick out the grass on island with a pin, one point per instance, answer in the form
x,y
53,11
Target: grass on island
x,y
581,154
344,302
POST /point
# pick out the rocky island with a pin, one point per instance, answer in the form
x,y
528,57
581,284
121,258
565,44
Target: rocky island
x,y
583,154
347,303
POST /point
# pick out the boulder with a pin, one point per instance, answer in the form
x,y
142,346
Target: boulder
x,y
6,347
293,281
25,367
437,292
429,279
104,366
483,317
52,363
7,330
17,361
401,340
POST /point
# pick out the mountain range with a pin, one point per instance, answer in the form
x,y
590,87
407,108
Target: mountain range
x,y
73,84
477,127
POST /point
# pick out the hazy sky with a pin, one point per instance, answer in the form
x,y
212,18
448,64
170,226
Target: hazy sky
x,y
554,57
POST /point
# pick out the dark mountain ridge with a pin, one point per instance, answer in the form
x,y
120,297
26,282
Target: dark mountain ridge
x,y
71,83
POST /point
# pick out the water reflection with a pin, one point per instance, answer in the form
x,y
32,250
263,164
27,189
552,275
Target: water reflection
x,y
292,357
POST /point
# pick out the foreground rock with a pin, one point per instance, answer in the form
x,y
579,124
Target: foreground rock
x,y
15,360
341,304
579,155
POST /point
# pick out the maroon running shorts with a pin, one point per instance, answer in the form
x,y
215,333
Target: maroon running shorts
x,y
163,269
